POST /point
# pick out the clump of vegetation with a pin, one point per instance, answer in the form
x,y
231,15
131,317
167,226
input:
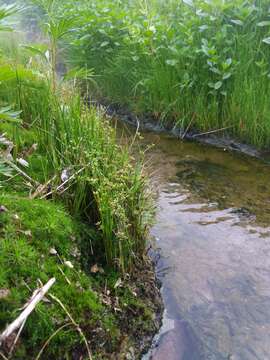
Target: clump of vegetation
x,y
40,240
74,206
196,63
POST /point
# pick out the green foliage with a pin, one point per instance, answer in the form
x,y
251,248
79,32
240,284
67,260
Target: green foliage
x,y
7,114
79,141
29,230
181,60
99,214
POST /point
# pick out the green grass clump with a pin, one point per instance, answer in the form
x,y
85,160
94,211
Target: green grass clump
x,y
107,191
71,200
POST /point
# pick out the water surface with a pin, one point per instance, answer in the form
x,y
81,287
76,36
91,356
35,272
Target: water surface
x,y
214,240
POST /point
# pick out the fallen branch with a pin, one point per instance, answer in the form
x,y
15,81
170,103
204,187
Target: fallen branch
x,y
3,356
212,131
42,188
63,184
16,324
16,339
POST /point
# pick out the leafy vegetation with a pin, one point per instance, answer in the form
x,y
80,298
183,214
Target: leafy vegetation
x,y
191,61
40,240
74,205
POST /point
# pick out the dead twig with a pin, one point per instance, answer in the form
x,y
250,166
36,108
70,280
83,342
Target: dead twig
x,y
63,184
3,356
17,323
188,127
66,278
16,339
136,133
212,131
74,323
41,188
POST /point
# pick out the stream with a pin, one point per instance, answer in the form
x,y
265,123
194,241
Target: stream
x,y
213,240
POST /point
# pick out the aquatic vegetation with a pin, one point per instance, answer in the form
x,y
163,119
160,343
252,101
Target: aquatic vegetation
x,y
182,62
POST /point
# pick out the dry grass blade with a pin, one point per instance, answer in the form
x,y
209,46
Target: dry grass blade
x,y
74,323
3,356
50,339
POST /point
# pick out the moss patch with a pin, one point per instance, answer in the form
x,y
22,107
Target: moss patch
x,y
111,313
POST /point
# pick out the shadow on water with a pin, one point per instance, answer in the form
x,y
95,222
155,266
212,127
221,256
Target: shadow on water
x,y
213,235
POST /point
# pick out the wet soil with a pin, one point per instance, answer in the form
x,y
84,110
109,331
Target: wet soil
x,y
219,139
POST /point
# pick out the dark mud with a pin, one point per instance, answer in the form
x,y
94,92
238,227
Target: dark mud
x,y
220,139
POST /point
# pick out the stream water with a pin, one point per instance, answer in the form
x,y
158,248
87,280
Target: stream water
x,y
214,244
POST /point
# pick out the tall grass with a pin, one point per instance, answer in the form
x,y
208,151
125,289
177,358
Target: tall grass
x,y
181,60
105,188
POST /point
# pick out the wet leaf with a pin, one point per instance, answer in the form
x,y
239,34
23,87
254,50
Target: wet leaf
x,y
218,85
237,22
171,62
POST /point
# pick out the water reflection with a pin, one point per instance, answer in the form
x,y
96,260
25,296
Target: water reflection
x,y
212,228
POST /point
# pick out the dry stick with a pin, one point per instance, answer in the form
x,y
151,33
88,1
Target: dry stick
x,y
188,127
74,323
61,185
16,339
213,131
136,133
50,339
41,188
27,311
3,356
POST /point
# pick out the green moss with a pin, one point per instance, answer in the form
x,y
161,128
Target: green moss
x,y
29,230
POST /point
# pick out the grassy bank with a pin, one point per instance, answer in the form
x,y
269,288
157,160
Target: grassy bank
x,y
197,63
74,207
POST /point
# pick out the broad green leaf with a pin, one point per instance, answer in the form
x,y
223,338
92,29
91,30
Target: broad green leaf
x,y
188,2
218,85
227,76
237,22
38,50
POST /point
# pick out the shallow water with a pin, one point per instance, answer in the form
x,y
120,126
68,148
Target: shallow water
x,y
214,241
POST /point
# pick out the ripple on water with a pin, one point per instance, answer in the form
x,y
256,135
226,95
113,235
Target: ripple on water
x,y
212,225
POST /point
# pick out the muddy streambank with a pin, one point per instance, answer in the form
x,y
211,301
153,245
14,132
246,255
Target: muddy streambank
x,y
212,235
217,138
